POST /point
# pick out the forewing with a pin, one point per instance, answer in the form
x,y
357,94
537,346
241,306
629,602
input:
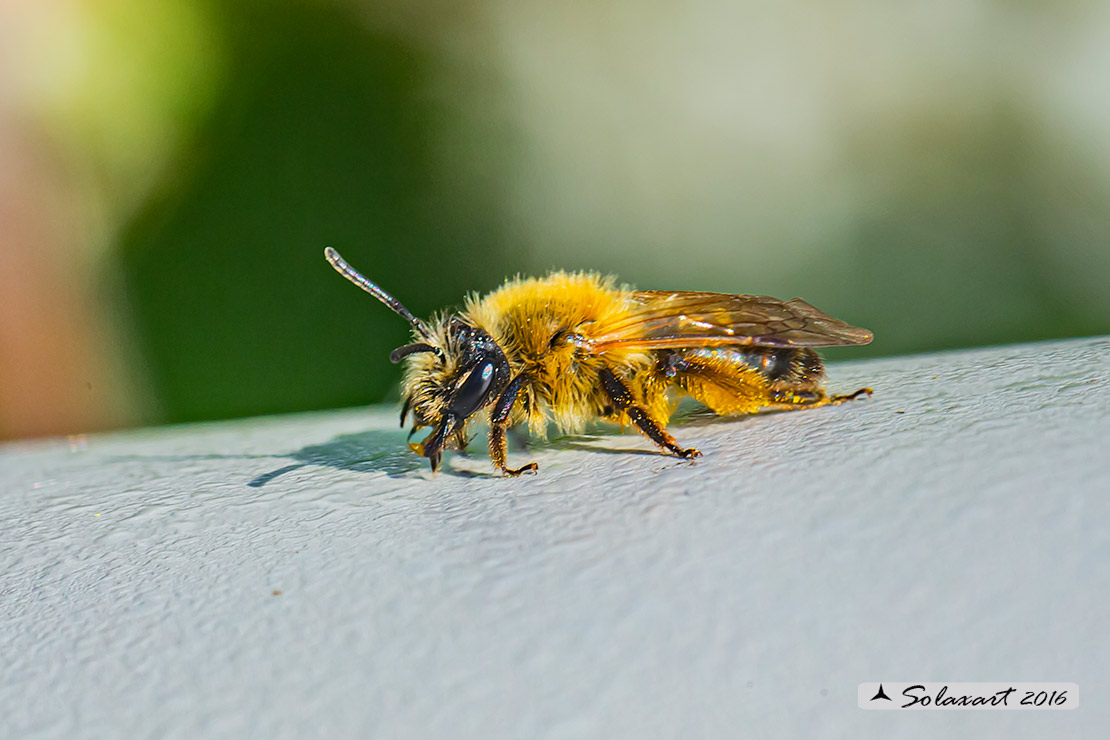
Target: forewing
x,y
663,319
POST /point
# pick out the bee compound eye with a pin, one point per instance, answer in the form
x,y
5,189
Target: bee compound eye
x,y
472,392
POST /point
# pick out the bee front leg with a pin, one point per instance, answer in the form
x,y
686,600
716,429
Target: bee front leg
x,y
461,441
499,424
622,399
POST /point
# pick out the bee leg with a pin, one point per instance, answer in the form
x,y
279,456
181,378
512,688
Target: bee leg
x,y
790,400
499,424
852,396
623,401
497,451
461,441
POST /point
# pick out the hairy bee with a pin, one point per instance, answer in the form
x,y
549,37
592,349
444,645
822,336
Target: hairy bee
x,y
571,347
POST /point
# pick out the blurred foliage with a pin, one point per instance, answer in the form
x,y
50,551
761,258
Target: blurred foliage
x,y
319,139
960,249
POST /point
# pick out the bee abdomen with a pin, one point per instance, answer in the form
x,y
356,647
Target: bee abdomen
x,y
780,366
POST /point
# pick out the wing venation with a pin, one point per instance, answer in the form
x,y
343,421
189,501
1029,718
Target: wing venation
x,y
663,319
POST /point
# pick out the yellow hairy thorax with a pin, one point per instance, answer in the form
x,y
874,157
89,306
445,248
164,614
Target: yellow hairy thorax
x,y
540,324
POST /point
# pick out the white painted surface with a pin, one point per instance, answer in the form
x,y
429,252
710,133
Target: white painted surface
x,y
956,527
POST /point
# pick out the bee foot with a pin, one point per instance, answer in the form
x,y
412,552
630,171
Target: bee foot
x,y
690,453
852,396
529,468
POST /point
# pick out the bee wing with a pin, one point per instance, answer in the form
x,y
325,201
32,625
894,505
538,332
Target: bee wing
x,y
665,319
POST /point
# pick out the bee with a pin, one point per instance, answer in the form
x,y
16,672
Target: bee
x,y
571,347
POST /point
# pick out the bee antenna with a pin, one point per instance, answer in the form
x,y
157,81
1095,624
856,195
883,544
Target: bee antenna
x,y
411,349
355,277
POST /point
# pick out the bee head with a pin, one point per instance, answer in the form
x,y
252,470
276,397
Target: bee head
x,y
458,372
454,370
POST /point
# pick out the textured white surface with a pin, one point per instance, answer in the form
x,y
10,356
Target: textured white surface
x,y
954,527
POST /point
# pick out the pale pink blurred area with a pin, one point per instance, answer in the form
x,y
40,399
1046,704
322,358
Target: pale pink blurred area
x,y
57,375
87,127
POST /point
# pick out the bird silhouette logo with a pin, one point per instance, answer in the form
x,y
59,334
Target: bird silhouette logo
x,y
881,694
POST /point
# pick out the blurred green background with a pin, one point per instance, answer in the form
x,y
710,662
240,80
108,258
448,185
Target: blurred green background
x,y
170,173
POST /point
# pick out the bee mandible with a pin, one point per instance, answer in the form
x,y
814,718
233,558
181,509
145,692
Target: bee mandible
x,y
571,347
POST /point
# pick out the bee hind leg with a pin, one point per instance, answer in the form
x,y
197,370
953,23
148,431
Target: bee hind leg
x,y
851,396
498,426
622,399
788,400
